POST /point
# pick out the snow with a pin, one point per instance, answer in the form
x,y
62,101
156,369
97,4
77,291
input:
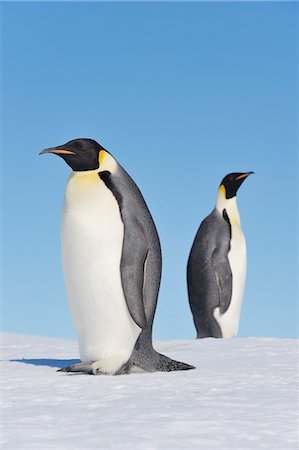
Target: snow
x,y
241,396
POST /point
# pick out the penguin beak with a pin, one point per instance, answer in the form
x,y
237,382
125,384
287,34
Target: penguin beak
x,y
57,151
244,175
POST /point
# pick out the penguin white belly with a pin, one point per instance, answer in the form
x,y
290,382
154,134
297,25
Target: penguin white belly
x,y
92,240
229,321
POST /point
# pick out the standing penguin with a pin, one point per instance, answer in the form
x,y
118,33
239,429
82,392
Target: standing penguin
x,y
216,270
111,260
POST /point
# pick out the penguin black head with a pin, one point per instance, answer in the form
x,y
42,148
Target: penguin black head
x,y
231,183
79,154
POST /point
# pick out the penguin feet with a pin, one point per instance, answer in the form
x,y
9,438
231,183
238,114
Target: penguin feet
x,y
107,366
90,369
80,367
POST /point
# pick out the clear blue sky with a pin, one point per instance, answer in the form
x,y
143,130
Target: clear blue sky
x,y
181,94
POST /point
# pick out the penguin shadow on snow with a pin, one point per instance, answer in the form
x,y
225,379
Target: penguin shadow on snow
x,y
58,363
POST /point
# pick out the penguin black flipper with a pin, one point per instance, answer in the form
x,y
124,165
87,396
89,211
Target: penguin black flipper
x,y
134,251
223,276
222,269
132,266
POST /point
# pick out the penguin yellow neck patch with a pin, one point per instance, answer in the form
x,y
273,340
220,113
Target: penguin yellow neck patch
x,y
102,155
222,190
106,162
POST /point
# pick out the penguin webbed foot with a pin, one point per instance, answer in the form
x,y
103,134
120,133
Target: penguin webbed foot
x,y
94,368
89,369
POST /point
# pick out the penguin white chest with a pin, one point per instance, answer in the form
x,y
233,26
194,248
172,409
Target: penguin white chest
x,y
237,261
92,240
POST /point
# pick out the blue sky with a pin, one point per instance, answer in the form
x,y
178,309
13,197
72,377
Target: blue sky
x,y
181,94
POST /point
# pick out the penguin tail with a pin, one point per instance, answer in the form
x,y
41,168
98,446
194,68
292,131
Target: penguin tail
x,y
166,364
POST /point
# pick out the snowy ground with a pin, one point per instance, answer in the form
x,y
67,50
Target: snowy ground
x,y
241,396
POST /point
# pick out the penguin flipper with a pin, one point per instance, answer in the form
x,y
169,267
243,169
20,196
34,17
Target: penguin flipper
x,y
132,265
223,275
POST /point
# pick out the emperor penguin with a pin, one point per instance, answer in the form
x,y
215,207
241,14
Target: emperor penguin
x,y
216,269
111,259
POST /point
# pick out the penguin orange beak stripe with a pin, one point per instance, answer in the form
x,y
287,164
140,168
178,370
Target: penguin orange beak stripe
x,y
244,175
57,151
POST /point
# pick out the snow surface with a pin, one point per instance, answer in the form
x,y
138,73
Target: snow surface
x,y
241,396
